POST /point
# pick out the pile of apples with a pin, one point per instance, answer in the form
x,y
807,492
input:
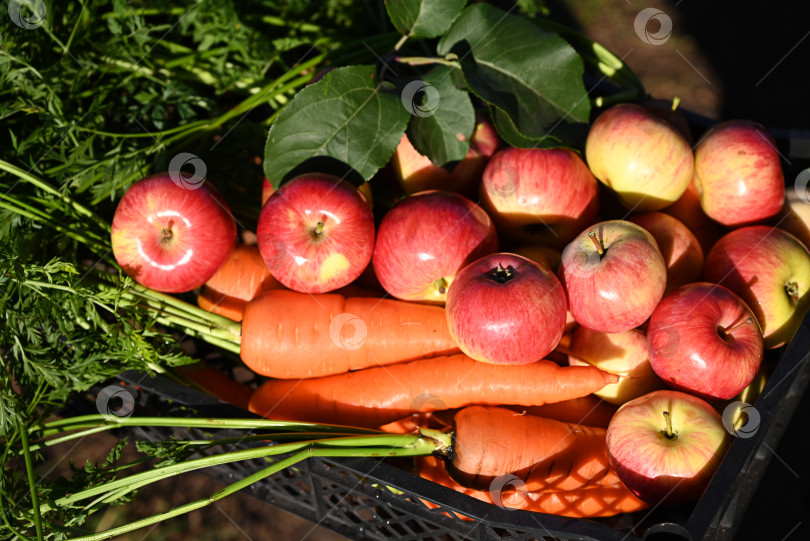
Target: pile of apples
x,y
644,257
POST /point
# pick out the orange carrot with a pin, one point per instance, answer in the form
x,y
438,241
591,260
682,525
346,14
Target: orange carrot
x,y
286,334
586,410
218,384
591,502
239,280
547,455
379,395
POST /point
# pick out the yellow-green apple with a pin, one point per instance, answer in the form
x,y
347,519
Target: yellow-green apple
x,y
624,354
539,196
640,156
770,269
795,216
703,339
668,110
172,231
506,309
680,248
665,446
316,233
416,173
614,276
688,211
738,174
425,239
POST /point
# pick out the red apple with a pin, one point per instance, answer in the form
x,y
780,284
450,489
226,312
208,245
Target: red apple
x,y
770,269
171,232
316,233
640,156
425,239
680,248
506,309
703,339
614,276
795,216
738,174
624,354
666,445
539,196
687,210
416,173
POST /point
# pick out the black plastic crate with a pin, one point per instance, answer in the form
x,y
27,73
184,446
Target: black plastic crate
x,y
371,499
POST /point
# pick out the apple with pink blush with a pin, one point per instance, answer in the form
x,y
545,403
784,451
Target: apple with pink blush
x,y
316,233
171,232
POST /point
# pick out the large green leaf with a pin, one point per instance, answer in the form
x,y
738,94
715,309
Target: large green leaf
x,y
347,116
564,134
533,76
440,130
423,18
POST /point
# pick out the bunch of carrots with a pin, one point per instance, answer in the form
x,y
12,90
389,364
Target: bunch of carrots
x,y
523,436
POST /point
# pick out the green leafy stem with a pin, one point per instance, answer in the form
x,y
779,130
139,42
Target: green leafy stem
x,y
311,440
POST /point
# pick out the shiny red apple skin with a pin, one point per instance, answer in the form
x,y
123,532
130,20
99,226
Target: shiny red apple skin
x,y
770,270
539,196
416,173
679,246
425,239
738,174
618,290
518,320
300,256
640,156
172,236
658,469
690,345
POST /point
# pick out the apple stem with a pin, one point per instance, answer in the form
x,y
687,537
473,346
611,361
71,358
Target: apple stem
x,y
792,290
166,232
668,432
675,102
730,330
318,231
599,248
